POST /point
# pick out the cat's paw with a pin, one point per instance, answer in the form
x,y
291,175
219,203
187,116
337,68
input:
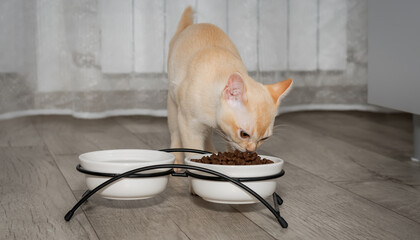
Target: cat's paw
x,y
178,161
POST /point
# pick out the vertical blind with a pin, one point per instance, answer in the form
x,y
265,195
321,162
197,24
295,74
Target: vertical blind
x,y
271,35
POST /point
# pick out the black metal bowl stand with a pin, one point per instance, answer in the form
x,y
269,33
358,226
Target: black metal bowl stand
x,y
217,177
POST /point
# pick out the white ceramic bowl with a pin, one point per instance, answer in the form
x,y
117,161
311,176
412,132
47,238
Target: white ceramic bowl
x,y
229,193
123,160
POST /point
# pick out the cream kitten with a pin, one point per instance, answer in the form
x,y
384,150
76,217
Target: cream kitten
x,y
209,88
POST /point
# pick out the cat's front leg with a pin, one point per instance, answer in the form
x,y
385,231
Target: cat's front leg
x,y
174,129
192,134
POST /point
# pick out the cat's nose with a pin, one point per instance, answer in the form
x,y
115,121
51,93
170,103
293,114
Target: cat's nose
x,y
251,147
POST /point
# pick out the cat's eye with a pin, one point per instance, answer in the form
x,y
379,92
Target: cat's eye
x,y
243,134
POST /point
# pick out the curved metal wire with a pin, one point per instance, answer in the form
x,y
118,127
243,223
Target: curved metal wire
x,y
188,150
243,179
143,175
186,174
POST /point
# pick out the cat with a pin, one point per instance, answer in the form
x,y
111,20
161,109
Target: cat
x,y
209,88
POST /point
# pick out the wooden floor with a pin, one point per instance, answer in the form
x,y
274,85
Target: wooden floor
x,y
348,176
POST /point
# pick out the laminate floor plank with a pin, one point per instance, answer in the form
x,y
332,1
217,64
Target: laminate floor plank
x,y
19,132
63,136
347,177
317,209
66,135
155,140
134,219
34,196
400,198
144,124
200,219
401,121
335,159
368,134
155,133
67,165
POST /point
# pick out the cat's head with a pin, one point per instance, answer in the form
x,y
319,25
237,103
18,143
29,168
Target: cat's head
x,y
248,110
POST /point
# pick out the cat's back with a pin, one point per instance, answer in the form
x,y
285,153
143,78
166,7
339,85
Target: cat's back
x,y
200,36
194,40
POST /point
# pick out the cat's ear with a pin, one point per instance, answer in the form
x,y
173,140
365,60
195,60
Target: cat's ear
x,y
279,90
235,92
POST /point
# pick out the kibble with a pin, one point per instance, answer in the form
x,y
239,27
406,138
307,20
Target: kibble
x,y
233,158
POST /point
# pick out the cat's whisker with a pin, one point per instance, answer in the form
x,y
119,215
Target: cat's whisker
x,y
223,135
236,146
219,132
277,129
226,140
282,125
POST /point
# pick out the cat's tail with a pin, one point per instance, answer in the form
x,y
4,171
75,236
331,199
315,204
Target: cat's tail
x,y
186,19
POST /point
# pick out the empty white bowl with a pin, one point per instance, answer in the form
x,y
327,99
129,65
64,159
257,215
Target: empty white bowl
x,y
229,193
123,160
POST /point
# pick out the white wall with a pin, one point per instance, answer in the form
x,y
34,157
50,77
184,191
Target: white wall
x,y
394,54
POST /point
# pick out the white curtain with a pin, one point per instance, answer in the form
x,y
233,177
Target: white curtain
x,y
97,58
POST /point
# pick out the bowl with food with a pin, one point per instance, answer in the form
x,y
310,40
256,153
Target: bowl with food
x,y
235,165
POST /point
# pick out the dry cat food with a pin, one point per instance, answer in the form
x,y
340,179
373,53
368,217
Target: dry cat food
x,y
233,158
